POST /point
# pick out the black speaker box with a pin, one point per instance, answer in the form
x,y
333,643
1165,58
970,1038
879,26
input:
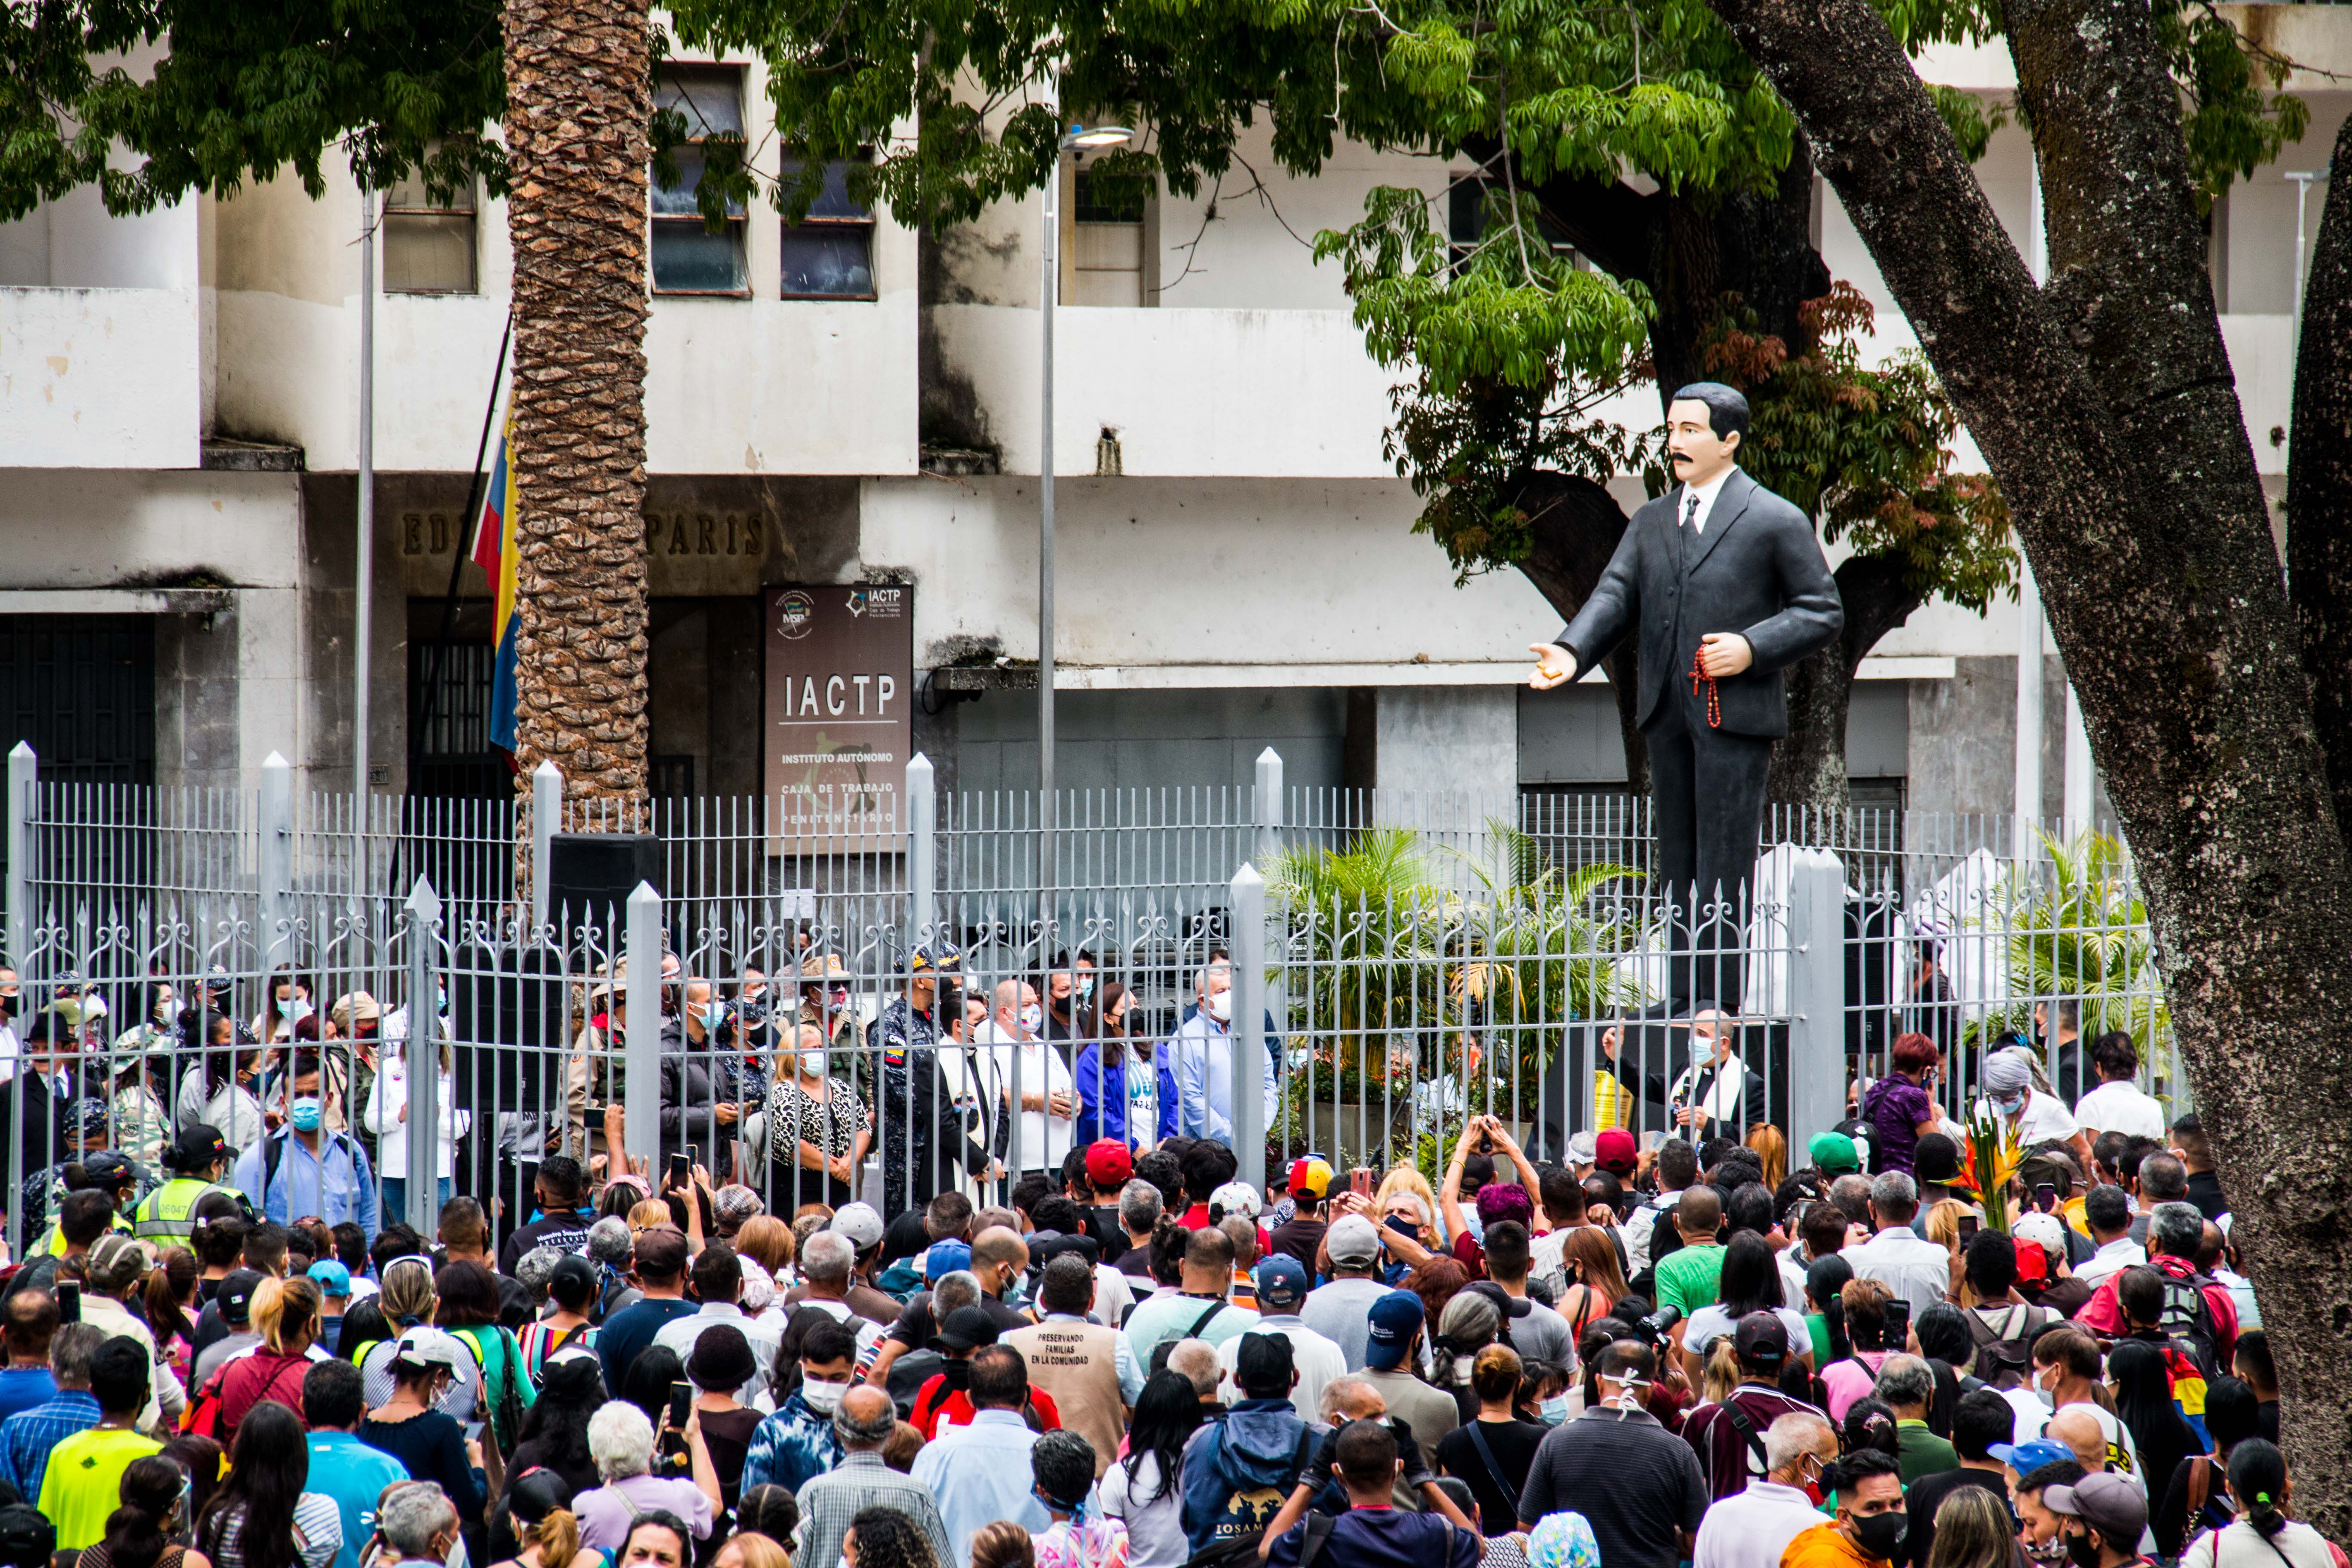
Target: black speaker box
x,y
590,873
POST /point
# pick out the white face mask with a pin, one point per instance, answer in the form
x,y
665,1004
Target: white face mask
x,y
1221,1007
1032,1017
819,1395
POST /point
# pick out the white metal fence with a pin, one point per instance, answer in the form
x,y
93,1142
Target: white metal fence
x,y
1397,966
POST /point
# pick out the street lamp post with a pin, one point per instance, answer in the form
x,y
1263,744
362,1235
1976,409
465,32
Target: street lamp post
x,y
1078,137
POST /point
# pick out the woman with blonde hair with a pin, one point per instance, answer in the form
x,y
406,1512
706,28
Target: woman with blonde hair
x,y
408,1300
1406,1180
1771,1145
749,1548
285,1313
1596,1279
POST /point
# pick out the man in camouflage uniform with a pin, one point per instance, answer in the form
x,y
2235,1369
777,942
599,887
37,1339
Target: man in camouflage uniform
x,y
924,1069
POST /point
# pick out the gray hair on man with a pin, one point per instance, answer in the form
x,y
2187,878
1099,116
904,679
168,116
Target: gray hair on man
x,y
1197,1361
1139,1206
1895,1196
2176,1230
70,1349
1904,1381
414,1518
956,1290
864,1418
1793,1436
1201,976
827,1259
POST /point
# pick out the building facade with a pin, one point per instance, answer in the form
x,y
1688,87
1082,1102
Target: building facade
x,y
846,403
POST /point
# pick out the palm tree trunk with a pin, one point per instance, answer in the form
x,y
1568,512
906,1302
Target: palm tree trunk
x,y
579,100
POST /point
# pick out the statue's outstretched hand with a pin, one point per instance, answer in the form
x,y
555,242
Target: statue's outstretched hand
x,y
1555,666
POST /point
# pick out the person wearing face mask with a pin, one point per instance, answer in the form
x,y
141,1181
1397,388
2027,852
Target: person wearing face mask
x,y
288,1003
1752,1527
700,1104
425,1440
798,1442
2100,1519
303,1169
818,1129
1636,1483
1200,1059
1869,1527
385,1114
2031,1116
1047,1126
1069,1003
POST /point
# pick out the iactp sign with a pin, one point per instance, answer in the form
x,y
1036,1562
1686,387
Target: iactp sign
x,y
840,713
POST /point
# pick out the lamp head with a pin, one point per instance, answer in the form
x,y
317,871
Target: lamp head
x,y
1093,136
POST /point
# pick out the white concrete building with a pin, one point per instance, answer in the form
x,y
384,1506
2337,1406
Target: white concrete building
x,y
848,402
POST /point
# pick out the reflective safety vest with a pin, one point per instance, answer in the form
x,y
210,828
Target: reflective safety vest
x,y
165,1215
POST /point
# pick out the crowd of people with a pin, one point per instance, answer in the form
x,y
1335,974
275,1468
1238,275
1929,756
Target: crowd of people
x,y
1637,1357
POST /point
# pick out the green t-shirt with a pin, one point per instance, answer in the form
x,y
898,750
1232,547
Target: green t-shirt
x,y
1819,1328
1691,1278
84,1482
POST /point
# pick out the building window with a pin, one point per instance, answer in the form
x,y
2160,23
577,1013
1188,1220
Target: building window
x,y
687,258
428,246
1107,241
829,254
1466,224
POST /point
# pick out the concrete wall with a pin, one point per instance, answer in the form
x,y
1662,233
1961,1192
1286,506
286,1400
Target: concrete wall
x,y
1149,739
100,378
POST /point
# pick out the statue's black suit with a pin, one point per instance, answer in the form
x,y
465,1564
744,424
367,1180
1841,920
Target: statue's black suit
x,y
1755,569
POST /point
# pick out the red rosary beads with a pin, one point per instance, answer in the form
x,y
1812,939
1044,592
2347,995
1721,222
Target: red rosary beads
x,y
1714,699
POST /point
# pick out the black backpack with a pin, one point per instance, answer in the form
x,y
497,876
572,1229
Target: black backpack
x,y
2188,1323
2004,1356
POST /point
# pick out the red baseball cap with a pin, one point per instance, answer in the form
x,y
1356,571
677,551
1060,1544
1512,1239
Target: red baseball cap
x,y
1615,1152
1109,1163
1310,1177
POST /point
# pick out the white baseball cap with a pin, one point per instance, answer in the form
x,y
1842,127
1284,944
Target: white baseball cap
x,y
423,1346
860,1224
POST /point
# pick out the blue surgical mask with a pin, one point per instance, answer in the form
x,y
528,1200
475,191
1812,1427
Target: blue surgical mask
x,y
305,1114
714,1015
1554,1410
2010,1106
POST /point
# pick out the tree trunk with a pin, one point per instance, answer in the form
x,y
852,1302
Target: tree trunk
x,y
2109,419
578,100
2319,483
1809,768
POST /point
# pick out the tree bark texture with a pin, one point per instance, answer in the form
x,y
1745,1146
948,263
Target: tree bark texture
x,y
578,100
2319,483
2106,412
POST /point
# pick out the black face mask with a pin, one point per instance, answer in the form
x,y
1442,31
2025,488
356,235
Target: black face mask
x,y
958,1375
1881,1534
2082,1551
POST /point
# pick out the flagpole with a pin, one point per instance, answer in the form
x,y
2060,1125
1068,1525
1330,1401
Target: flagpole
x,y
364,574
462,550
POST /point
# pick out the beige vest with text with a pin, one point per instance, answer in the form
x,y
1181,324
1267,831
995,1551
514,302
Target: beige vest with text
x,y
1077,1363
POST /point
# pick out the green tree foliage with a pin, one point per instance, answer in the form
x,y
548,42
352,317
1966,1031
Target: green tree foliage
x,y
241,89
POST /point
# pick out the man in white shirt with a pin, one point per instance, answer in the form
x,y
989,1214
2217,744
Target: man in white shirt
x,y
1753,1528
2108,1212
1918,1270
2117,1105
1048,1122
1282,1283
1200,1056
718,1283
2032,1117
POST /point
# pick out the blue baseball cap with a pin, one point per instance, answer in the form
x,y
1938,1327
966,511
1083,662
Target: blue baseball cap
x,y
945,1258
333,1278
2027,1458
1281,1281
1395,1319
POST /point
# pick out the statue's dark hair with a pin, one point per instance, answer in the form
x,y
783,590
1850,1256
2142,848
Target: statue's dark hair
x,y
1727,407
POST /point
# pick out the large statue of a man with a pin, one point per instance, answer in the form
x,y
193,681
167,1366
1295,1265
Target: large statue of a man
x,y
1729,588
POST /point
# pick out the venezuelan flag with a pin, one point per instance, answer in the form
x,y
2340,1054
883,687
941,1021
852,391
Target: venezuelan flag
x,y
494,552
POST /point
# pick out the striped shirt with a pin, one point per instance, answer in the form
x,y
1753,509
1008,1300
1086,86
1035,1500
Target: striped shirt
x,y
27,1437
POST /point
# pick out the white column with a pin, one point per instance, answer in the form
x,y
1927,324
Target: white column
x,y
2077,810
2028,802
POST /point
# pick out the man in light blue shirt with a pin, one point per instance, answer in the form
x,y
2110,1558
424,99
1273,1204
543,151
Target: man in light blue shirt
x,y
305,1169
978,1473
341,1466
1202,1060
